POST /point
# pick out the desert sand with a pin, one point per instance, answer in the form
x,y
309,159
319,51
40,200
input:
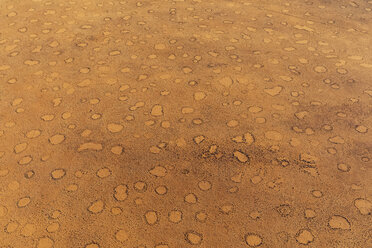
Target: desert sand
x,y
185,123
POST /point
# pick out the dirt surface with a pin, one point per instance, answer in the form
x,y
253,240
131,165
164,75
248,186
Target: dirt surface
x,y
185,123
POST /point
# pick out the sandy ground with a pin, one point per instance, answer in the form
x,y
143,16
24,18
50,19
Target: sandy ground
x,y
185,123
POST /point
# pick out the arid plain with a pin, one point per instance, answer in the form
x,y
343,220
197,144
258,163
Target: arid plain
x,y
185,123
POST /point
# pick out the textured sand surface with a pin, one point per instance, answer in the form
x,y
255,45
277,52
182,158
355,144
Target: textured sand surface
x,y
185,123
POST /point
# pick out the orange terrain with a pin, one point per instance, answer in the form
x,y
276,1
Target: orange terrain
x,y
185,123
